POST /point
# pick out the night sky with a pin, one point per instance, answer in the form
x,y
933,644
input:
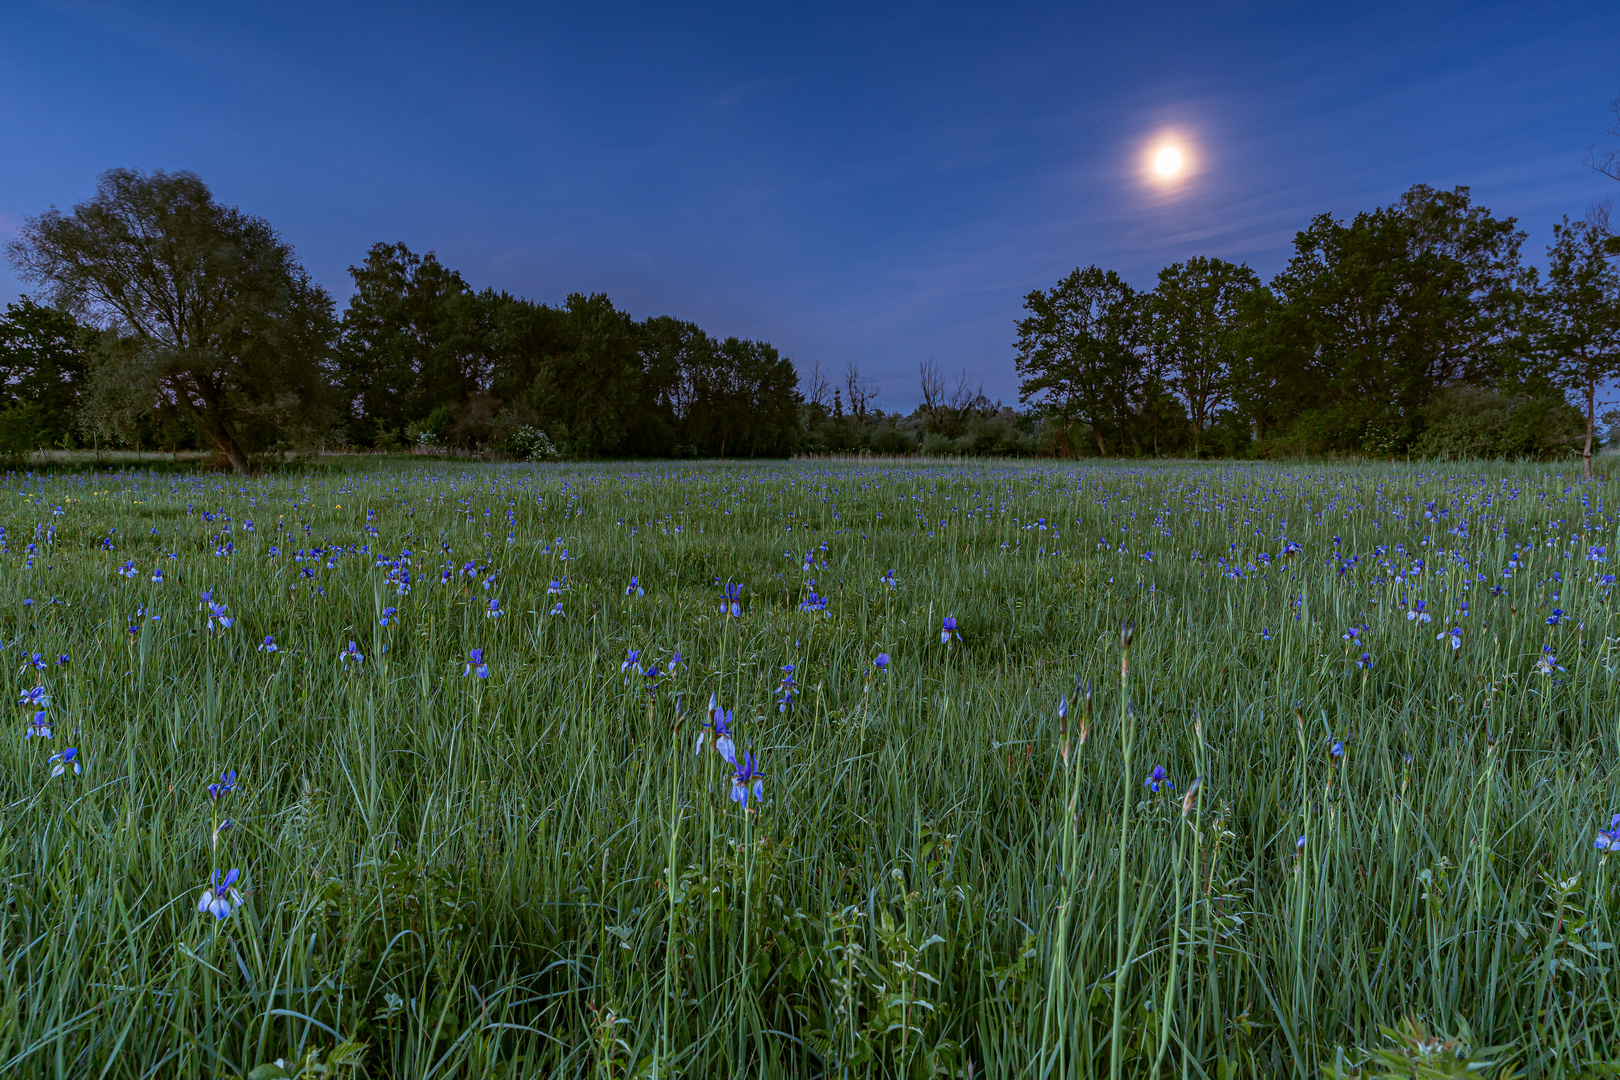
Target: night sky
x,y
877,183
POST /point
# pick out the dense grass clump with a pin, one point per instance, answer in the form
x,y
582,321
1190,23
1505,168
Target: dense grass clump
x,y
1336,801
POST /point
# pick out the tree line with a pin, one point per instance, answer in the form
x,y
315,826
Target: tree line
x,y
1412,328
167,320
172,321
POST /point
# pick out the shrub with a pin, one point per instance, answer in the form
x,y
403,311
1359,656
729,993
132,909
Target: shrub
x,y
1473,422
531,444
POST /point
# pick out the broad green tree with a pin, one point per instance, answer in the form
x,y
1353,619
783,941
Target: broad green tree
x,y
1196,309
1376,314
1577,319
1081,352
42,366
415,338
227,323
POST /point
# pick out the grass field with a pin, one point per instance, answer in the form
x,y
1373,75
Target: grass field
x,y
1391,858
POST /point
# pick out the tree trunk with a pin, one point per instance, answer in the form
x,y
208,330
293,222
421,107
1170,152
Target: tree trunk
x,y
1591,396
229,447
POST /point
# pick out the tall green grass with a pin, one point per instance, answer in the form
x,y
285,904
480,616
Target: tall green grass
x,y
535,875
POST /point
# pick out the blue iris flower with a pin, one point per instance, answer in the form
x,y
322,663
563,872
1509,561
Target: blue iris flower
x,y
789,686
1157,780
947,630
719,726
351,654
475,663
64,760
220,897
729,605
747,781
882,661
223,786
1609,839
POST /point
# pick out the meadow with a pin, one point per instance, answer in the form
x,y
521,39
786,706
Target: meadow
x,y
809,769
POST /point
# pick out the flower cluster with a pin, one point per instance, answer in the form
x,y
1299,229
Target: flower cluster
x,y
747,781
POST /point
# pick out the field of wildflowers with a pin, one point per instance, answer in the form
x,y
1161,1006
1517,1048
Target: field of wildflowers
x,y
810,770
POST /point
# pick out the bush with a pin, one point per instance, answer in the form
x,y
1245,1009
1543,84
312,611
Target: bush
x,y
531,444
21,427
1472,422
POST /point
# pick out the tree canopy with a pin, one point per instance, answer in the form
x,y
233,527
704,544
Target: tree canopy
x,y
229,330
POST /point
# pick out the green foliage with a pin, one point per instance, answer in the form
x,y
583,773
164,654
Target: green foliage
x,y
413,338
1196,333
1466,422
22,431
225,325
1080,353
531,444
1576,325
42,364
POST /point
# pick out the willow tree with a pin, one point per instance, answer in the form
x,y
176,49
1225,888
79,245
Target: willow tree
x,y
225,328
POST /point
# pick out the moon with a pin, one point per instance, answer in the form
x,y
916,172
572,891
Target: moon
x,y
1167,162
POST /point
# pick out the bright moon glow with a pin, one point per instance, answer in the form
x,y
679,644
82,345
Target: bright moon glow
x,y
1167,161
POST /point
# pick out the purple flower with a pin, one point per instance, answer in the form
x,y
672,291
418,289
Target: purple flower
x,y
719,725
216,613
494,611
269,644
747,781
1548,663
352,654
882,661
475,663
1453,636
1157,780
888,580
220,897
65,760
38,727
785,702
630,660
634,588
729,605
947,630
1609,839
387,614
1556,617
224,786
1417,613
33,660
1365,662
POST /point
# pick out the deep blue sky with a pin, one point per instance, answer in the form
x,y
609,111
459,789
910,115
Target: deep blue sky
x,y
879,183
